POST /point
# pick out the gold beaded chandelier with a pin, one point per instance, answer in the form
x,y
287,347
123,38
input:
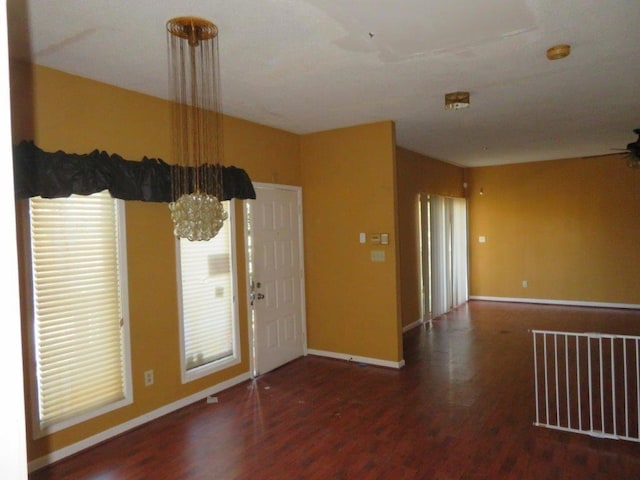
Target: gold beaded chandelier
x,y
194,88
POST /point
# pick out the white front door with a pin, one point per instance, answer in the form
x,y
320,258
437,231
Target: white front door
x,y
276,275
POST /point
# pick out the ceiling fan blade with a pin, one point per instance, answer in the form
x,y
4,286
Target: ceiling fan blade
x,y
601,155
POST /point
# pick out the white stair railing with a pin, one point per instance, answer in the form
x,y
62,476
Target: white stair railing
x,y
587,383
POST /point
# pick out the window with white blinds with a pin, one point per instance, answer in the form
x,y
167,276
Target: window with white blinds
x,y
208,307
80,328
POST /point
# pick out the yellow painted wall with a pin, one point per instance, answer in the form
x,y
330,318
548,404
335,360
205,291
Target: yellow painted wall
x,y
64,112
569,227
353,304
268,154
418,174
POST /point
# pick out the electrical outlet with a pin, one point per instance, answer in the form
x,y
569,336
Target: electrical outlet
x,y
525,284
148,378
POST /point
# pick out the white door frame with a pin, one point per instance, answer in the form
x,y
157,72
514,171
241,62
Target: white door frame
x,y
303,313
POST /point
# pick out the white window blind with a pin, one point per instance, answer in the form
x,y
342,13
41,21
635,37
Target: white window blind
x,y
207,302
80,336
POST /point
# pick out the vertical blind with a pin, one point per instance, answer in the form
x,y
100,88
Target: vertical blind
x,y
207,298
445,270
425,258
78,322
440,256
459,249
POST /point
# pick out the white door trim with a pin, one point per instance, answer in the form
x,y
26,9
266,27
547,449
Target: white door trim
x,y
303,307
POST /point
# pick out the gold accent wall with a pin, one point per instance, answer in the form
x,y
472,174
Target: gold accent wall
x,y
353,304
570,228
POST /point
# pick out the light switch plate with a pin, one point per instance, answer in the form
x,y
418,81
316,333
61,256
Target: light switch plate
x,y
377,256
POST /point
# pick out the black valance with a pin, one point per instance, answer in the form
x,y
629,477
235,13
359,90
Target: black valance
x,y
59,174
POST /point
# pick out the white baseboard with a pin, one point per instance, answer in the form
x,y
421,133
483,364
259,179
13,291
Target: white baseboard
x,y
357,359
413,325
136,422
570,303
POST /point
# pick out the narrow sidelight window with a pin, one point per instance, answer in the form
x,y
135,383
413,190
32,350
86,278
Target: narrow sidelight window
x,y
208,302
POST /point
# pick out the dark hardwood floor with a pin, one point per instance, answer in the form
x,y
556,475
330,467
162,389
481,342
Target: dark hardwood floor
x,y
462,408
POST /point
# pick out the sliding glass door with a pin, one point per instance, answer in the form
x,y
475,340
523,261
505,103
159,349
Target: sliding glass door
x,y
443,233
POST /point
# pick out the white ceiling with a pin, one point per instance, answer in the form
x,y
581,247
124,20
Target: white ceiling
x,y
311,65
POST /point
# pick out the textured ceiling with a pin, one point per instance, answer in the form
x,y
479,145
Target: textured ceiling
x,y
306,66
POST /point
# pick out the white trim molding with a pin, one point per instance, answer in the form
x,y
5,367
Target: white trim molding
x,y
570,303
355,358
133,423
413,325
